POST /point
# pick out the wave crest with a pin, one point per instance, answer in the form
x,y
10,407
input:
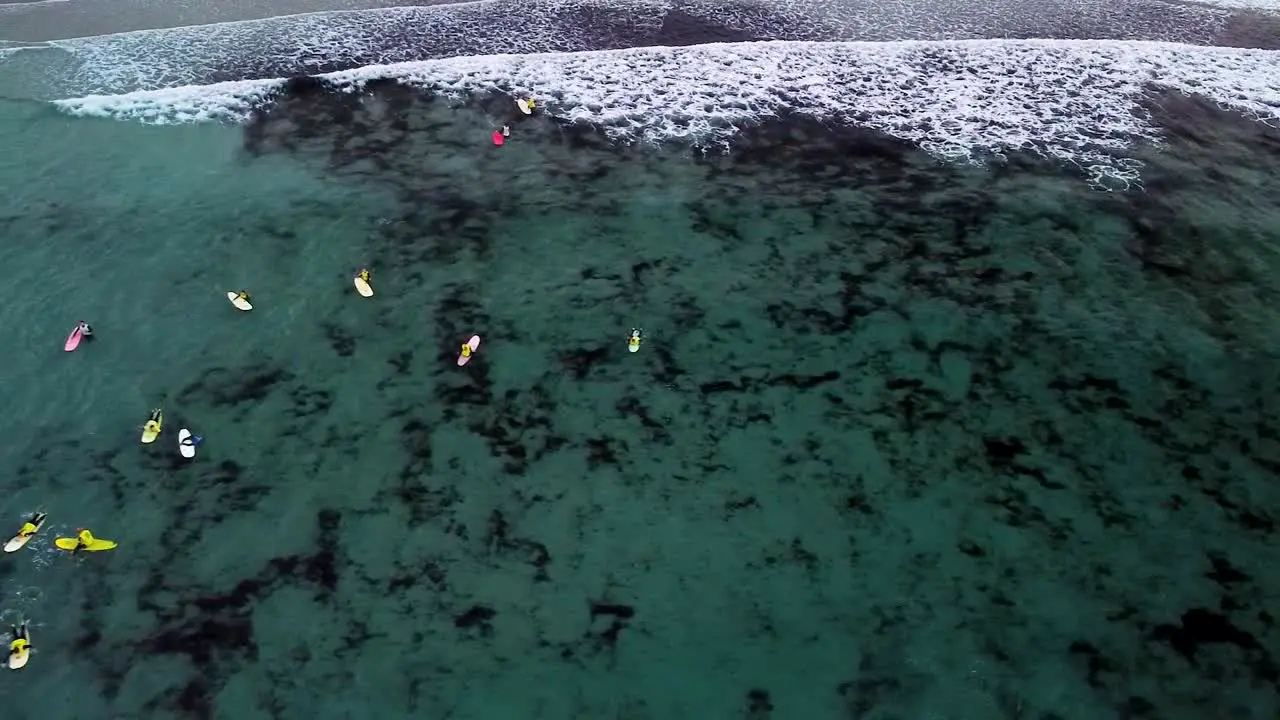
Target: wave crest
x,y
1075,101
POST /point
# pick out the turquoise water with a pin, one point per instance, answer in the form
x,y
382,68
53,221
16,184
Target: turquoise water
x,y
904,440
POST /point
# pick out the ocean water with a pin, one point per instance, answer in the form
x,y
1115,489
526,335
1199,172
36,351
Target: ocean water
x,y
957,396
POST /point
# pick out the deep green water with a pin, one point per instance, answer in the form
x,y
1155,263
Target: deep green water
x,y
905,440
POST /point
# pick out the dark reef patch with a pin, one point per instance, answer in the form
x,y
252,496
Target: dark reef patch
x,y
227,387
214,630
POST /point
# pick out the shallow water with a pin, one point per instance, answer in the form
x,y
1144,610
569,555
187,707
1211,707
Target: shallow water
x,y
905,439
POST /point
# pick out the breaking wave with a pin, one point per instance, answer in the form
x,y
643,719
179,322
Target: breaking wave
x,y
323,42
1076,101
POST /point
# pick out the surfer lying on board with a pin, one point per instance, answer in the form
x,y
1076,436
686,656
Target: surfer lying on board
x,y
85,331
244,295
364,274
466,350
20,643
29,527
153,424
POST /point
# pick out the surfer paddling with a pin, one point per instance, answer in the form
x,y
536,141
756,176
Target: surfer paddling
x,y
30,527
85,331
20,647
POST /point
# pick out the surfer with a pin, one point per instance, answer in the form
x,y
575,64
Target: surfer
x,y
20,645
244,295
30,527
84,540
364,274
85,331
466,350
153,424
633,342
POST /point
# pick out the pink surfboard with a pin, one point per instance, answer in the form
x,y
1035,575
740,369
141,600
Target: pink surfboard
x,y
73,340
474,344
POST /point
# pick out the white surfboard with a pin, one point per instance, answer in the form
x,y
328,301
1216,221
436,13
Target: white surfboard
x,y
524,106
633,348
17,542
19,661
188,451
362,287
240,303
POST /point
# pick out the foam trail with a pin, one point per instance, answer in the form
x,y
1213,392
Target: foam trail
x,y
1076,101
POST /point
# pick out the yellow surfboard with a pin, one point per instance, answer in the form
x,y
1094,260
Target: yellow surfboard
x,y
363,287
239,302
151,432
94,545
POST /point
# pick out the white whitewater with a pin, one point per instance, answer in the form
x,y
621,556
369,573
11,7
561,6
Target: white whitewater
x,y
1076,101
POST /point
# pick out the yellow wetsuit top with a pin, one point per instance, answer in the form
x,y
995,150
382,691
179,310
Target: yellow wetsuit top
x,y
153,426
466,350
17,646
85,537
364,275
27,529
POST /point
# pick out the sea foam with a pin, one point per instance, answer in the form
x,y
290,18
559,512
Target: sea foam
x,y
1075,101
323,42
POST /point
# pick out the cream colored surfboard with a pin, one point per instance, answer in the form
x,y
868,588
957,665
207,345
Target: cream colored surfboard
x,y
19,661
240,303
363,287
17,542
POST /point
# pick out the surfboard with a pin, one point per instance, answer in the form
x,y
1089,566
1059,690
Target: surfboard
x,y
17,542
149,436
363,287
188,451
524,106
19,660
474,344
633,348
96,545
73,340
240,304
